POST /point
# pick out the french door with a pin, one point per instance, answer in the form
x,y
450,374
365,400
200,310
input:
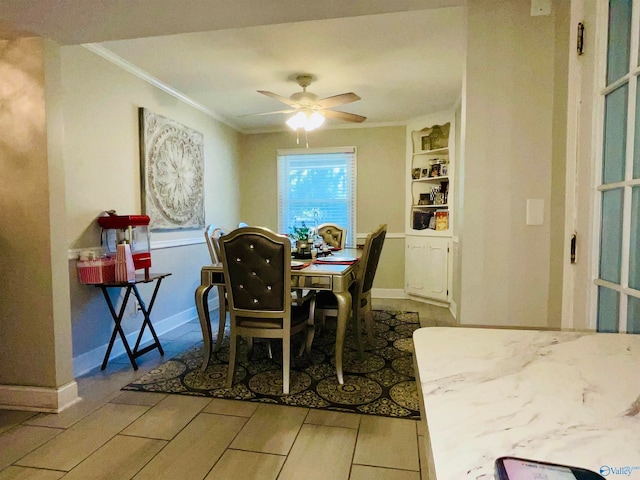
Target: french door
x,y
616,266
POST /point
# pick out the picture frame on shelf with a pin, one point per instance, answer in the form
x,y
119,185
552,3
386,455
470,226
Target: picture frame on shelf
x,y
425,143
415,173
425,199
444,170
425,172
435,170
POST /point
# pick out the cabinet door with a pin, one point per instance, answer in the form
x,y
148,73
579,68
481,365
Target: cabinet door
x,y
426,267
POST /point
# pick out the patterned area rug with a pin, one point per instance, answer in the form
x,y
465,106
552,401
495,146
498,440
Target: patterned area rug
x,y
382,383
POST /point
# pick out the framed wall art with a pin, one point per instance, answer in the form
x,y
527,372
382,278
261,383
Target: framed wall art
x,y
171,173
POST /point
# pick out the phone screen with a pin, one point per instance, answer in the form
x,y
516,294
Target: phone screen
x,y
517,469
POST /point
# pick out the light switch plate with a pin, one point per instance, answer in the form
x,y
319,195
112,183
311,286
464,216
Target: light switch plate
x,y
535,211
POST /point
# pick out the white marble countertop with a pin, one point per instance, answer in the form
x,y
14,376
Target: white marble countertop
x,y
562,397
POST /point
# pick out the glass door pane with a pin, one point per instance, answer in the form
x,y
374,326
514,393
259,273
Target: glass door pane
x,y
636,144
634,247
619,42
611,236
633,315
608,307
615,138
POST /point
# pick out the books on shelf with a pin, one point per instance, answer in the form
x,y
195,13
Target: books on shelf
x,y
442,220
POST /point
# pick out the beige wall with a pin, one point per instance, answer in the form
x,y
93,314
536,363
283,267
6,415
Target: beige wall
x,y
509,157
103,172
563,45
34,306
381,178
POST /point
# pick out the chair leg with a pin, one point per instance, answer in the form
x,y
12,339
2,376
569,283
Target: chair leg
x,y
222,318
249,347
368,319
358,334
311,327
269,350
232,359
286,360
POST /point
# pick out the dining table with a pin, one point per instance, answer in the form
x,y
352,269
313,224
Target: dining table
x,y
321,274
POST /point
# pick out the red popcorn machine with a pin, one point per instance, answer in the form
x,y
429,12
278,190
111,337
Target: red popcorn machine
x,y
130,229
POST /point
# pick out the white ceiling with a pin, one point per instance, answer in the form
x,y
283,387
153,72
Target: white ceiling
x,y
402,64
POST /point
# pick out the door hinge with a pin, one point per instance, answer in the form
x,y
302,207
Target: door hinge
x,y
574,239
580,43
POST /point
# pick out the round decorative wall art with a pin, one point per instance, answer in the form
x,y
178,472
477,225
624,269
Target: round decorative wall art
x,y
172,162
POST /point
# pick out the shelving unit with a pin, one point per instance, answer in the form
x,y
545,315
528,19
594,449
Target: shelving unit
x,y
430,171
430,180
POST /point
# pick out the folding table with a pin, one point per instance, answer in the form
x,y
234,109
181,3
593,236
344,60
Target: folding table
x,y
117,316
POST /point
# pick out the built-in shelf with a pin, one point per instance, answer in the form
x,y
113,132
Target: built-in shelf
x,y
441,178
437,151
430,173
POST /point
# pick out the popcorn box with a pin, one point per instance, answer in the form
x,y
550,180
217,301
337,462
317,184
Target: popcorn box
x,y
100,270
125,270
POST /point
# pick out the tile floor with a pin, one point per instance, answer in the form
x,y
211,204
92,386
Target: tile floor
x,y
113,434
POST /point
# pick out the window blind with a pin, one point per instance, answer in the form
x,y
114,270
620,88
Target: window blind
x,y
317,186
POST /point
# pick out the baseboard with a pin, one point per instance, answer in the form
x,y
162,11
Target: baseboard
x,y
88,361
387,293
38,399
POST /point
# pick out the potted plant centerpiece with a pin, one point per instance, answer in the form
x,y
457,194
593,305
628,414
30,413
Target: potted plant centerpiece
x,y
301,234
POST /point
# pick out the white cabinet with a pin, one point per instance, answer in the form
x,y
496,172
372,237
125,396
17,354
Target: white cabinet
x,y
427,267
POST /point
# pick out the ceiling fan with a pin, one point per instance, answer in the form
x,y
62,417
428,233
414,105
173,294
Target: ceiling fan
x,y
309,111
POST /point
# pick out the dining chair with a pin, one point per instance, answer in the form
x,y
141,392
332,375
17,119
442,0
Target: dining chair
x,y
257,271
332,234
212,235
326,304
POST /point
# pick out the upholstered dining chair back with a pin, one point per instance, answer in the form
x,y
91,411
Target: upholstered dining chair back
x,y
212,235
332,234
257,271
258,279
371,256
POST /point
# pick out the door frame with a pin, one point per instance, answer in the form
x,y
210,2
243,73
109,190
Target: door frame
x,y
582,210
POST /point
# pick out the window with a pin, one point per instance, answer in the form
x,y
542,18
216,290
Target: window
x,y
317,186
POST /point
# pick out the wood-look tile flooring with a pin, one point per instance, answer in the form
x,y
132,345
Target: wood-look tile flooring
x,y
114,434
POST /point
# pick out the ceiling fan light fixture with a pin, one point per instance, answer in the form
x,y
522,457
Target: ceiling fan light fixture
x,y
307,120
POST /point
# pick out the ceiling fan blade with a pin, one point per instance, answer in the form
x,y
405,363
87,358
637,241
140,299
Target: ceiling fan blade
x,y
349,117
338,100
280,98
266,113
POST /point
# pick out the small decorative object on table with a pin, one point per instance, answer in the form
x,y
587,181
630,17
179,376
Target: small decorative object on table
x,y
301,235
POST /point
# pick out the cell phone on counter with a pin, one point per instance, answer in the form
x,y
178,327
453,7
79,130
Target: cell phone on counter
x,y
514,468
